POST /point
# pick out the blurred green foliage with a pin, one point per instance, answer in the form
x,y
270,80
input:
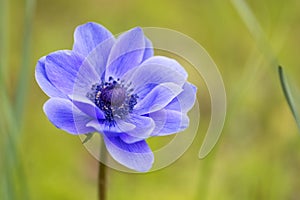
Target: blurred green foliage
x,y
258,154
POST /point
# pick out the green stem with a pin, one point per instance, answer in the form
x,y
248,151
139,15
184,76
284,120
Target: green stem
x,y
102,178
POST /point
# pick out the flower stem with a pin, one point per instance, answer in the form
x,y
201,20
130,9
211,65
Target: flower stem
x,y
102,174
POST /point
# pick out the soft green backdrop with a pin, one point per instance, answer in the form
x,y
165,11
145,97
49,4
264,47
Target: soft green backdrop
x,y
258,154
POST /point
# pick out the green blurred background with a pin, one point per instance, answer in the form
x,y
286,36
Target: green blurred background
x,y
258,154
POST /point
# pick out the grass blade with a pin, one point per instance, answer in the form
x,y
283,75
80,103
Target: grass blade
x,y
4,38
13,180
7,187
255,29
25,66
288,96
22,86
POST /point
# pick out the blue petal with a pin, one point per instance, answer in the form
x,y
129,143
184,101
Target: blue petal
x,y
127,53
99,55
152,74
167,62
168,122
137,156
69,73
44,82
136,126
85,78
102,127
88,36
148,49
61,68
144,91
157,98
185,100
129,139
87,106
64,115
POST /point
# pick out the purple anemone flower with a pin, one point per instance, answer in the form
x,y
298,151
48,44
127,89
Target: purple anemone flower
x,y
118,88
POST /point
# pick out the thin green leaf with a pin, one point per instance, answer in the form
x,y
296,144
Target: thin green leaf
x,y
13,182
7,186
88,137
288,96
13,167
257,32
22,88
4,38
26,54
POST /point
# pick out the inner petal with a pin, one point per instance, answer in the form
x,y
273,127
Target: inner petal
x,y
127,53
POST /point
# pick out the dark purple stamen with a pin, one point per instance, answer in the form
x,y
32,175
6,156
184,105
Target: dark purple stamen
x,y
113,98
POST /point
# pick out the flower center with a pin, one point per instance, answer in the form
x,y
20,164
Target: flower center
x,y
113,95
114,98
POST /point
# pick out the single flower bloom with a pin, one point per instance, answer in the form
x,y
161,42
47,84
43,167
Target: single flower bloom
x,y
118,88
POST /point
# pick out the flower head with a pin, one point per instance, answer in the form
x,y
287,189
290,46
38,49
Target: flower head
x,y
118,88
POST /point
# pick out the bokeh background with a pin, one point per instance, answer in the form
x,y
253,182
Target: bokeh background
x,y
258,154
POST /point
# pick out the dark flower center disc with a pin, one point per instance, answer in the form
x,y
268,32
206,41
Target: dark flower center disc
x,y
114,98
113,95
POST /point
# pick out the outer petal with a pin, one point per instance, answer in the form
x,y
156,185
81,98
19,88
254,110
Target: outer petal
x,y
157,98
127,53
44,82
99,55
168,122
136,126
64,115
152,74
85,78
148,49
146,89
129,139
102,127
137,156
185,100
88,36
88,107
61,68
167,62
